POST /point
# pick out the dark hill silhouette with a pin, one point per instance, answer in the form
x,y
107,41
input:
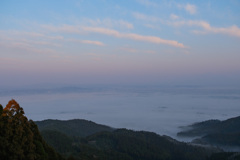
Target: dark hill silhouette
x,y
75,127
215,132
116,144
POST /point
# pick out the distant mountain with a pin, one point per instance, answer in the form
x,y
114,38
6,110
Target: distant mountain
x,y
75,127
215,132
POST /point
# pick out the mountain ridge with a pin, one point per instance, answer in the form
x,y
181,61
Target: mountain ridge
x,y
224,133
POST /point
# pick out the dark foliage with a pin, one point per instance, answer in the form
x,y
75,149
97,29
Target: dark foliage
x,y
20,138
225,156
229,139
231,125
76,127
215,132
122,144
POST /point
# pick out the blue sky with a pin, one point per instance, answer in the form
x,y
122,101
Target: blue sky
x,y
119,42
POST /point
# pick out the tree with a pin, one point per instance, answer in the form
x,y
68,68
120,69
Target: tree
x,y
19,138
12,109
1,109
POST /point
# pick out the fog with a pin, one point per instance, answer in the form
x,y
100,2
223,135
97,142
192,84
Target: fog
x,y
151,108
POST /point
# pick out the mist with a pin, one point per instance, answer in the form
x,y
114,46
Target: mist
x,y
159,109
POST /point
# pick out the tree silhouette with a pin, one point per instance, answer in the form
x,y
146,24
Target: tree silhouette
x,y
1,109
20,138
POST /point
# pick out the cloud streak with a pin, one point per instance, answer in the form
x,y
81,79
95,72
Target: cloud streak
x,y
92,42
98,43
133,36
207,28
113,33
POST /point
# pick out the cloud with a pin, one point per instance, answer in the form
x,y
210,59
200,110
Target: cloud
x,y
133,50
98,43
133,36
114,33
202,24
174,17
8,34
147,3
25,47
107,22
125,24
144,17
23,39
93,42
190,8
156,27
64,28
207,28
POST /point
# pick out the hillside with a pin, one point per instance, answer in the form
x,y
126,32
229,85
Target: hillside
x,y
215,132
75,127
115,144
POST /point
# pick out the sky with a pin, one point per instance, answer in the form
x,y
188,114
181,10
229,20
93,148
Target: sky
x,y
74,42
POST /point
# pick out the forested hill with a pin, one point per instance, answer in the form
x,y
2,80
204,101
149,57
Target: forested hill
x,y
123,144
215,132
75,127
231,125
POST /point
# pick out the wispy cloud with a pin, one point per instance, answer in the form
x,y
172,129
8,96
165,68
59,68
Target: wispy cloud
x,y
207,28
152,26
141,16
93,42
115,33
8,34
24,39
147,3
125,24
98,43
174,16
63,28
107,22
133,50
23,42
26,47
133,36
190,8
